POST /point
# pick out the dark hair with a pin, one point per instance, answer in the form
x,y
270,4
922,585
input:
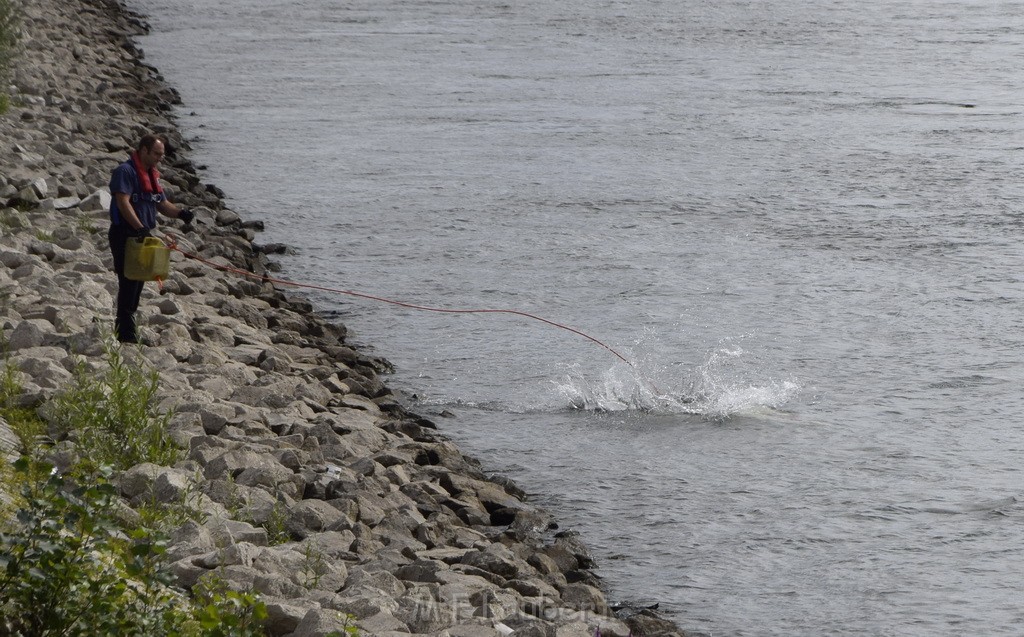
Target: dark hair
x,y
148,141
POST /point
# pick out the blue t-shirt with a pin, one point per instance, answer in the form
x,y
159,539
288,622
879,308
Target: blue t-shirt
x,y
125,179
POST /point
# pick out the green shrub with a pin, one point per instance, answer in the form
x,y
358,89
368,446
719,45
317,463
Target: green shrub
x,y
222,612
112,414
67,569
68,565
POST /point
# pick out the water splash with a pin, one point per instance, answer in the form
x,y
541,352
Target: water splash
x,y
730,380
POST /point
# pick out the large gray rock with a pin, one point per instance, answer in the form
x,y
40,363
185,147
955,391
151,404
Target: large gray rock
x,y
59,203
10,445
319,622
26,334
585,598
482,629
496,559
383,583
241,554
283,618
421,571
173,486
381,623
189,540
313,516
235,461
646,622
45,373
225,531
138,481
186,572
98,201
333,545
422,611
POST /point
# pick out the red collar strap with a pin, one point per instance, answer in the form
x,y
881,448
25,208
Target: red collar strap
x,y
150,179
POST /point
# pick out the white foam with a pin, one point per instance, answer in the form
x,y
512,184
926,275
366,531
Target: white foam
x,y
730,381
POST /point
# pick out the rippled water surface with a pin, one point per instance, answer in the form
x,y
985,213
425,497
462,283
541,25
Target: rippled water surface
x,y
799,221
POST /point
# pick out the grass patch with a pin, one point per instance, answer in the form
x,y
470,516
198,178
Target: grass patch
x,y
10,21
85,225
111,414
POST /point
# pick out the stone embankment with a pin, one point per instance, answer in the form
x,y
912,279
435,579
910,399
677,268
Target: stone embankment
x,y
286,427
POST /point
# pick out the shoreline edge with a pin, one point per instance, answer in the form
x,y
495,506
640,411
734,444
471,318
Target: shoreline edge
x,y
275,410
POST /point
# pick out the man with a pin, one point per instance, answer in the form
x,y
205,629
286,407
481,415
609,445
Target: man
x,y
135,198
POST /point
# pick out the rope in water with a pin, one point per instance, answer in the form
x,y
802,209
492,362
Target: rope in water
x,y
173,245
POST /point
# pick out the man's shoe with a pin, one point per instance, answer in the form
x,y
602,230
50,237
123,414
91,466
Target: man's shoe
x,y
137,340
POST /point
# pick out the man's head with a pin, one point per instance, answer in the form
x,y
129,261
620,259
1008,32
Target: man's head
x,y
151,150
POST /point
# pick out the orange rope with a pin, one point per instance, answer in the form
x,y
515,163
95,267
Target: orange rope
x,y
174,246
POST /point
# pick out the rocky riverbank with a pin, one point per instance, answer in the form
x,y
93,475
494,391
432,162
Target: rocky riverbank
x,y
384,519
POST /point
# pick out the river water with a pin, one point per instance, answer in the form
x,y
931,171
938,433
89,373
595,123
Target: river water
x,y
800,221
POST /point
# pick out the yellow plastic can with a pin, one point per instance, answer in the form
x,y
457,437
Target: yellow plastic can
x,y
146,260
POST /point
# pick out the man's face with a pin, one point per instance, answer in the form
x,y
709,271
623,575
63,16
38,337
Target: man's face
x,y
151,156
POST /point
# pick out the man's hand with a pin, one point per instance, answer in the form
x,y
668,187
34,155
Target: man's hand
x,y
186,215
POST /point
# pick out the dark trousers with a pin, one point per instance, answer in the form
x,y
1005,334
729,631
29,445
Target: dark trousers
x,y
128,291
